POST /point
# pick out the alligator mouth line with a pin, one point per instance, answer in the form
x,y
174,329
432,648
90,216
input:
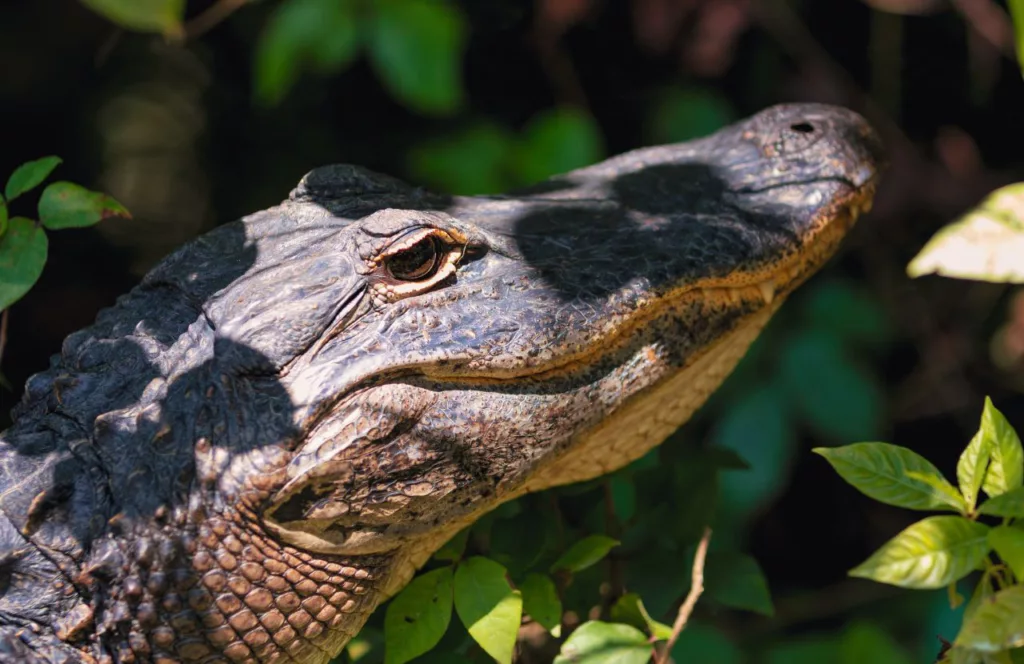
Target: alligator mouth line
x,y
761,288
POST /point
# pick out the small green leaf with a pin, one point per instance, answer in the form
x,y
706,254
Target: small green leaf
x,y
473,161
1009,544
29,176
162,16
418,616
488,606
997,624
416,47
597,642
318,34
585,553
893,475
623,493
736,580
557,141
540,600
984,244
682,115
630,610
22,257
68,205
972,466
867,642
1009,504
931,553
1006,467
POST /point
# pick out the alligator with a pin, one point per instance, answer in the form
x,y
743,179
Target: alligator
x,y
266,438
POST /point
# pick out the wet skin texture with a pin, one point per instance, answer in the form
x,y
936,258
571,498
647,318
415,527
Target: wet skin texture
x,y
264,439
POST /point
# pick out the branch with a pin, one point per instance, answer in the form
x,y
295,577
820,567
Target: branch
x,y
696,588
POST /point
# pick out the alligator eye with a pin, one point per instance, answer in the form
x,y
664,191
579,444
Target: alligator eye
x,y
418,262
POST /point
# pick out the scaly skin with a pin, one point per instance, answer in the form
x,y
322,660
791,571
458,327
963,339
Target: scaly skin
x,y
264,439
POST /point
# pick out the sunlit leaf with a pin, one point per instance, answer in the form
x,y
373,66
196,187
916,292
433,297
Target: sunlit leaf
x,y
488,606
931,553
630,609
557,141
998,623
1006,464
416,47
985,244
22,257
29,176
318,34
68,205
1009,504
162,16
585,553
893,475
418,616
866,642
736,580
835,395
1009,544
972,466
1017,12
597,642
540,600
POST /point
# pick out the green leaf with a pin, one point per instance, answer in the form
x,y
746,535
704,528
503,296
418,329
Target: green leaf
x,y
68,205
846,312
736,580
488,606
162,16
623,497
682,115
984,244
416,48
418,616
630,610
931,553
703,644
972,466
1006,466
22,257
1017,12
1009,544
893,475
540,600
473,161
29,176
585,553
866,642
557,141
318,34
836,395
3,217
804,651
1009,504
998,624
597,642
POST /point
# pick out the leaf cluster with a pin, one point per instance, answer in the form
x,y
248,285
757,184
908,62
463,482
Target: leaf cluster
x,y
985,535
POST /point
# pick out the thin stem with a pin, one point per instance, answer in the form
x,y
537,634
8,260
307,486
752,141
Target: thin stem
x,y
696,588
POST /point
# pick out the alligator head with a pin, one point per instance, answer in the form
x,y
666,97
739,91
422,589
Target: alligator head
x,y
289,415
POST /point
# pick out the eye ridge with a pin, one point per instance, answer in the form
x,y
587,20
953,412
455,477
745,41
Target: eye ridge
x,y
418,262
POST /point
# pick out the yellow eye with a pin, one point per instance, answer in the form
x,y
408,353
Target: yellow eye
x,y
418,262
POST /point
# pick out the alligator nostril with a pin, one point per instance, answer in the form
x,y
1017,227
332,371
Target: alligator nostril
x,y
802,127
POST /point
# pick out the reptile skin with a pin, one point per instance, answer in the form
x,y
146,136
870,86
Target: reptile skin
x,y
263,440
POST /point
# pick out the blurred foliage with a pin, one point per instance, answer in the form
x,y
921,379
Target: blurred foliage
x,y
939,551
817,376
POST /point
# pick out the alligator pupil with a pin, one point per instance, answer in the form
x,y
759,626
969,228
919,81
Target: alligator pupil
x,y
417,262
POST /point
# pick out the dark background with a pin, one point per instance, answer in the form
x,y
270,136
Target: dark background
x,y
862,353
